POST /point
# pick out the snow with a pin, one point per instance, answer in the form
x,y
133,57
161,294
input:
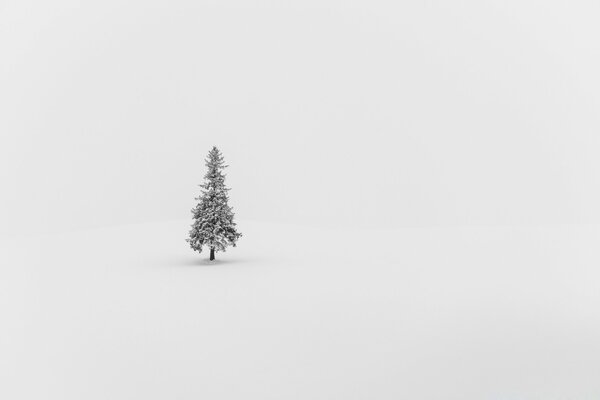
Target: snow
x,y
380,118
298,312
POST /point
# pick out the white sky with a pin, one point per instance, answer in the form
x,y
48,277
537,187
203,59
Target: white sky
x,y
346,113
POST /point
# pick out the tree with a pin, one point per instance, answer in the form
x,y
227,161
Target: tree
x,y
213,217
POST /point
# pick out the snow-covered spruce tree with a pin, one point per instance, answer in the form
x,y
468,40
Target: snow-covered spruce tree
x,y
213,218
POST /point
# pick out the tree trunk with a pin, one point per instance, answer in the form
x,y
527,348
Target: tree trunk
x,y
212,253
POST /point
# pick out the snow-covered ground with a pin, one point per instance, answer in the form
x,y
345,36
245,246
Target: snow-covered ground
x,y
294,312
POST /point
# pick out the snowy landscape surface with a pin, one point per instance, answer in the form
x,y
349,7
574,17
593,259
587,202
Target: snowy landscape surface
x,y
416,182
294,312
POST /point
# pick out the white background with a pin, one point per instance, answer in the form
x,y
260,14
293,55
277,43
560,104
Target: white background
x,y
345,113
416,183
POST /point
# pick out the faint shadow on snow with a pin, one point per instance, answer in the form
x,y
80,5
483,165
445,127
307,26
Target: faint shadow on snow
x,y
205,262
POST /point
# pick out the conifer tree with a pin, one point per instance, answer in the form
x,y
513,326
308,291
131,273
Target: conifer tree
x,y
213,217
